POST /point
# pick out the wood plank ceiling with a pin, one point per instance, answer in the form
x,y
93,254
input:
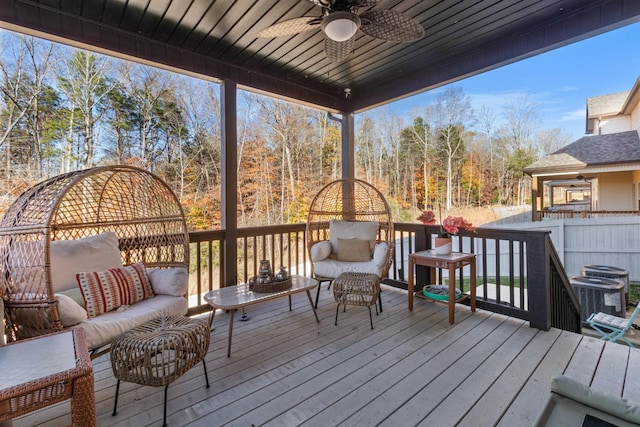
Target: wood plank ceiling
x,y
218,38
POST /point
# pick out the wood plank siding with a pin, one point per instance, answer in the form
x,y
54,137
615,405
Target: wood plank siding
x,y
413,368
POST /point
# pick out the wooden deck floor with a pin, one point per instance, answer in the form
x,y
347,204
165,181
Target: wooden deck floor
x,y
412,369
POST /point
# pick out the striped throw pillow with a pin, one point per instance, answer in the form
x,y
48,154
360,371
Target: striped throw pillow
x,y
104,291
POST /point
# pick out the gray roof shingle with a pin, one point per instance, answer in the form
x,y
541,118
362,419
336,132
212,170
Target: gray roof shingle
x,y
606,105
614,148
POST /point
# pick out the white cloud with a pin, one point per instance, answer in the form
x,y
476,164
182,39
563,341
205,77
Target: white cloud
x,y
497,101
573,115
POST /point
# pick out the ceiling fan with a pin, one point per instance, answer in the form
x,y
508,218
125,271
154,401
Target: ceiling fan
x,y
340,21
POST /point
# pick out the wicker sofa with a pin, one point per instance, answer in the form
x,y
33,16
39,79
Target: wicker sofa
x,y
82,305
111,220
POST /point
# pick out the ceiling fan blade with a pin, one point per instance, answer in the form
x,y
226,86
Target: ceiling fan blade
x,y
323,3
291,27
390,25
364,3
338,51
344,4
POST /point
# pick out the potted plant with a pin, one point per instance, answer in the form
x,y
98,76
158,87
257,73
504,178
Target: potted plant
x,y
450,226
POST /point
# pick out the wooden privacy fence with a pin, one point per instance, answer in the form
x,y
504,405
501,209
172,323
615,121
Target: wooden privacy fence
x,y
613,241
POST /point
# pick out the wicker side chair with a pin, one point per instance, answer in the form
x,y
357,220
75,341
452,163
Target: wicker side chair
x,y
349,200
138,206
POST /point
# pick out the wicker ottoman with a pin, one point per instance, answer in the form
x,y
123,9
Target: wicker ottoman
x,y
357,289
158,352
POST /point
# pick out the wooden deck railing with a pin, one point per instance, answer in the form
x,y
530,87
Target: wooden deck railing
x,y
518,271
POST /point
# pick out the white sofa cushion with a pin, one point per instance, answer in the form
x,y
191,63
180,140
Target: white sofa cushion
x,y
365,230
93,253
320,251
169,281
103,329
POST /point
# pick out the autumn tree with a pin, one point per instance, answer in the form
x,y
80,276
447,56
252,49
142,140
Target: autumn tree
x,y
419,152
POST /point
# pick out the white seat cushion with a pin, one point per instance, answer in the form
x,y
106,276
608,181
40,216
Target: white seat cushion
x,y
102,330
609,320
333,268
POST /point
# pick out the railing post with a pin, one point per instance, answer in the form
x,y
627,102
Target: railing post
x,y
422,242
538,282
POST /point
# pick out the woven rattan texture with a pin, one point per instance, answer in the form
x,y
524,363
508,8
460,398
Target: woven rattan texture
x,y
159,351
350,200
356,289
274,286
138,206
76,384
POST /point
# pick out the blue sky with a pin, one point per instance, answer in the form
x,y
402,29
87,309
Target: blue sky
x,y
559,81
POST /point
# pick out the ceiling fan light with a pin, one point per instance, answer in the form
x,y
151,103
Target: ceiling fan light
x,y
340,26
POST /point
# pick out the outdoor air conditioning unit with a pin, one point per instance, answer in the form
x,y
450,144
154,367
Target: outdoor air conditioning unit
x,y
599,294
610,273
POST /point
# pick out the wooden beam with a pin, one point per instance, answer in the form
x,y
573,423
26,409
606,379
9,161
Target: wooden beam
x,y
229,92
348,146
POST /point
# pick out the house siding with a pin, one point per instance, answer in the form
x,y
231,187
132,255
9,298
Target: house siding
x,y
615,124
635,118
616,192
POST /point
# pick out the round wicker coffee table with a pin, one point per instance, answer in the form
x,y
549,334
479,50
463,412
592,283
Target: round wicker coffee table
x,y
158,352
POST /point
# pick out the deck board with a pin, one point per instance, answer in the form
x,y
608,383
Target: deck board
x,y
480,380
632,383
531,398
413,368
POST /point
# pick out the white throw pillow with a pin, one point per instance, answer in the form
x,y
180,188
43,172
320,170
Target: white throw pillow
x,y
93,253
69,310
380,254
364,230
169,281
320,251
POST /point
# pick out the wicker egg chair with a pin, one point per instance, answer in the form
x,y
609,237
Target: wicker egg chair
x,y
138,206
349,200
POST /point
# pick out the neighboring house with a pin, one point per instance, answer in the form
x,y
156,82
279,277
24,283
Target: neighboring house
x,y
600,172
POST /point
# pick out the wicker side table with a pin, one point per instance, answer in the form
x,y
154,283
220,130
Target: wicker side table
x,y
30,383
357,289
158,352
